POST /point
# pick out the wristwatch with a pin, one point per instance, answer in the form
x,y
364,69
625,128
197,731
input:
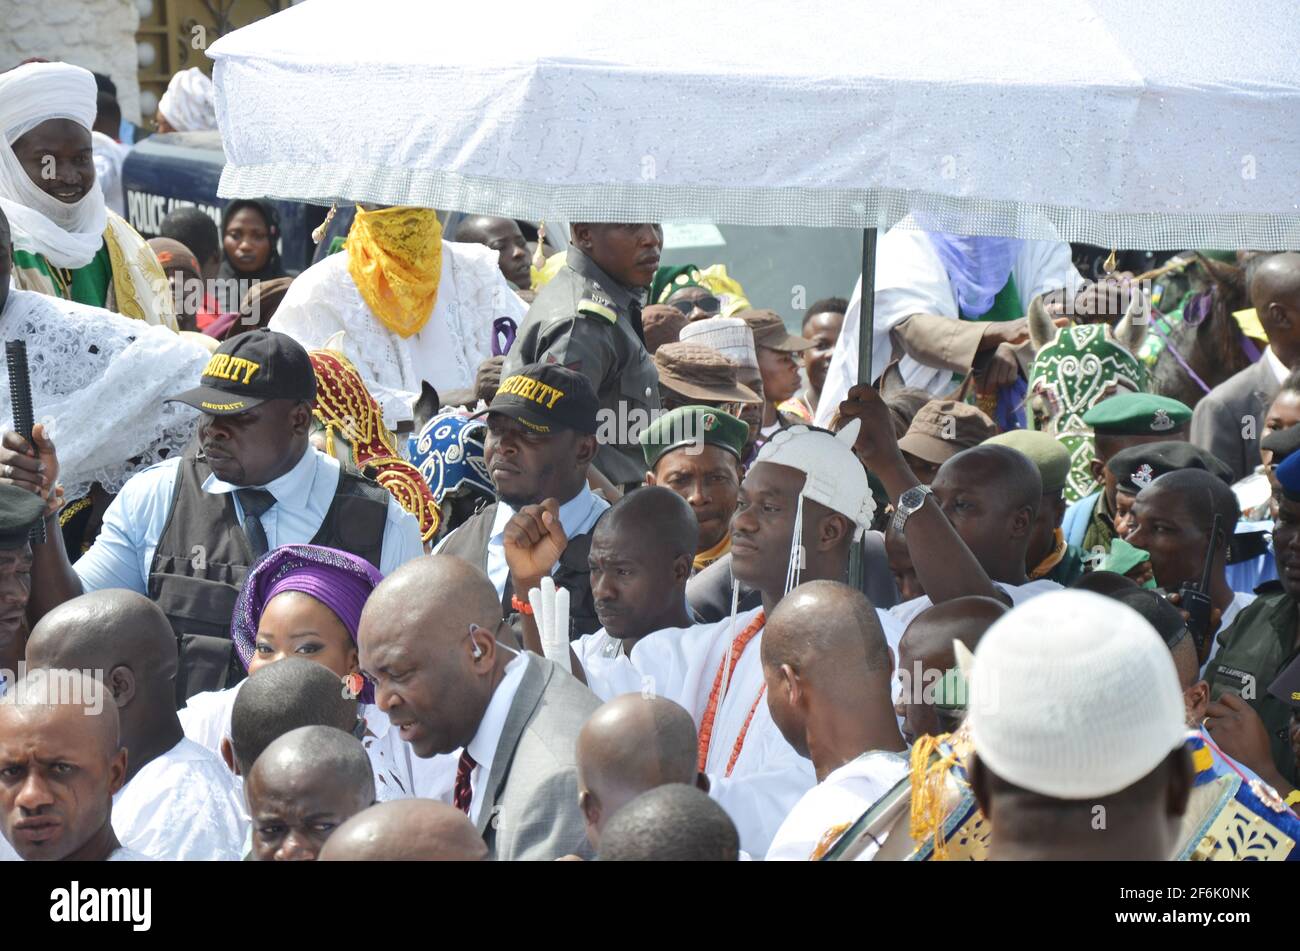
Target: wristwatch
x,y
909,502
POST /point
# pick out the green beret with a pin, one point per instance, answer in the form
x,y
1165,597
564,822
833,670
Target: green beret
x,y
688,425
1138,466
1051,458
669,280
19,511
1138,414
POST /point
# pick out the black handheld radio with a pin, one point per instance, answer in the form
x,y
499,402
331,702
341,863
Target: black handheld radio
x,y
1195,599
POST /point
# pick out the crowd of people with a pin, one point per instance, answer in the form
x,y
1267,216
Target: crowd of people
x,y
468,547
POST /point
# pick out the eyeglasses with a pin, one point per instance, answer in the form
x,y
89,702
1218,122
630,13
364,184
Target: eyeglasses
x,y
709,304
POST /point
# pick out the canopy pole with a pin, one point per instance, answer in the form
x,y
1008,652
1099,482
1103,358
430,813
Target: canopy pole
x,y
867,312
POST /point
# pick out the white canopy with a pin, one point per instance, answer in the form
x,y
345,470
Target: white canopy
x,y
1116,123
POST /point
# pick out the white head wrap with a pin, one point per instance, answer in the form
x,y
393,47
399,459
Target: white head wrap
x,y
834,477
730,336
188,104
1073,695
67,235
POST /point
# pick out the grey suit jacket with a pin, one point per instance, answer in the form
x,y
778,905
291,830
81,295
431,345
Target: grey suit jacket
x,y
532,807
1220,418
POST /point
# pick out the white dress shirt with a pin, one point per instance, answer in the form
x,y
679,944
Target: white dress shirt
x,y
1277,366
181,806
839,800
134,522
577,516
483,748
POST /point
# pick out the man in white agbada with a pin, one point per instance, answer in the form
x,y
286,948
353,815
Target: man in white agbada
x,y
189,104
942,301
1075,710
178,801
827,668
98,384
414,308
802,505
65,241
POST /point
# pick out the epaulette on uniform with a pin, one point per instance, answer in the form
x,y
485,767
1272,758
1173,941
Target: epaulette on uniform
x,y
597,303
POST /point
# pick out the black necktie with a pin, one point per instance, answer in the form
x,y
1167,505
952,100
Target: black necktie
x,y
255,502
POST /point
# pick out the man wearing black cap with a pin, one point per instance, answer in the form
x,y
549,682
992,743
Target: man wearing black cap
x,y
588,318
186,531
540,441
19,511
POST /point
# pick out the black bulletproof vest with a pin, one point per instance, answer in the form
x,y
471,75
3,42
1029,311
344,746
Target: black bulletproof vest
x,y
203,557
470,542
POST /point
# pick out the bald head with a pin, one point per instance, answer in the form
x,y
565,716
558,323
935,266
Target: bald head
x,y
651,516
827,631
629,745
673,823
305,785
62,761
406,830
1008,473
926,652
427,642
1274,279
113,630
288,695
429,600
313,756
929,638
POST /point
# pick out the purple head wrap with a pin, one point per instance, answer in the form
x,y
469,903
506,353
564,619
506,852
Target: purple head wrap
x,y
338,580
977,268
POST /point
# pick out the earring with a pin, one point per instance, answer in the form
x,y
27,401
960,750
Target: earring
x,y
353,684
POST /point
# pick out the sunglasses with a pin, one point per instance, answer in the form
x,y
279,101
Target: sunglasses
x,y
709,304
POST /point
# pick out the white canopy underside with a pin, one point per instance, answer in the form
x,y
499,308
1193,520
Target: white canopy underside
x,y
1106,121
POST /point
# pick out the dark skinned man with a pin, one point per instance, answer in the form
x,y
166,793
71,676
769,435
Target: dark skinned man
x,y
671,823
776,348
503,236
48,812
640,561
1049,555
178,801
428,644
185,531
406,830
304,786
990,494
1173,520
1229,421
695,451
926,653
1265,637
539,445
732,337
1064,767
632,744
19,511
66,242
1118,422
588,318
805,477
827,669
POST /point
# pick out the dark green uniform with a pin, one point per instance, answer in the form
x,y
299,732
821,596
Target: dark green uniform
x,y
1260,643
590,323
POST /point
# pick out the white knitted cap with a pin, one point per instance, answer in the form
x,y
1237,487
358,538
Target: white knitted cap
x,y
730,336
1073,695
835,477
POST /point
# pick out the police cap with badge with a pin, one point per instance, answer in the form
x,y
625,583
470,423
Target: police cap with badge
x,y
1138,414
1138,466
690,426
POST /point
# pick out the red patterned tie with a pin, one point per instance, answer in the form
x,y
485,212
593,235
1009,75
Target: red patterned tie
x,y
462,795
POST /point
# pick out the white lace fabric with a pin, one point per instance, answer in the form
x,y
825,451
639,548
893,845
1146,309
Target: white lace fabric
x,y
98,384
324,300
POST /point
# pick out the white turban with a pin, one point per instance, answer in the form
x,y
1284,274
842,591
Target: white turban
x,y
67,235
1073,695
188,104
